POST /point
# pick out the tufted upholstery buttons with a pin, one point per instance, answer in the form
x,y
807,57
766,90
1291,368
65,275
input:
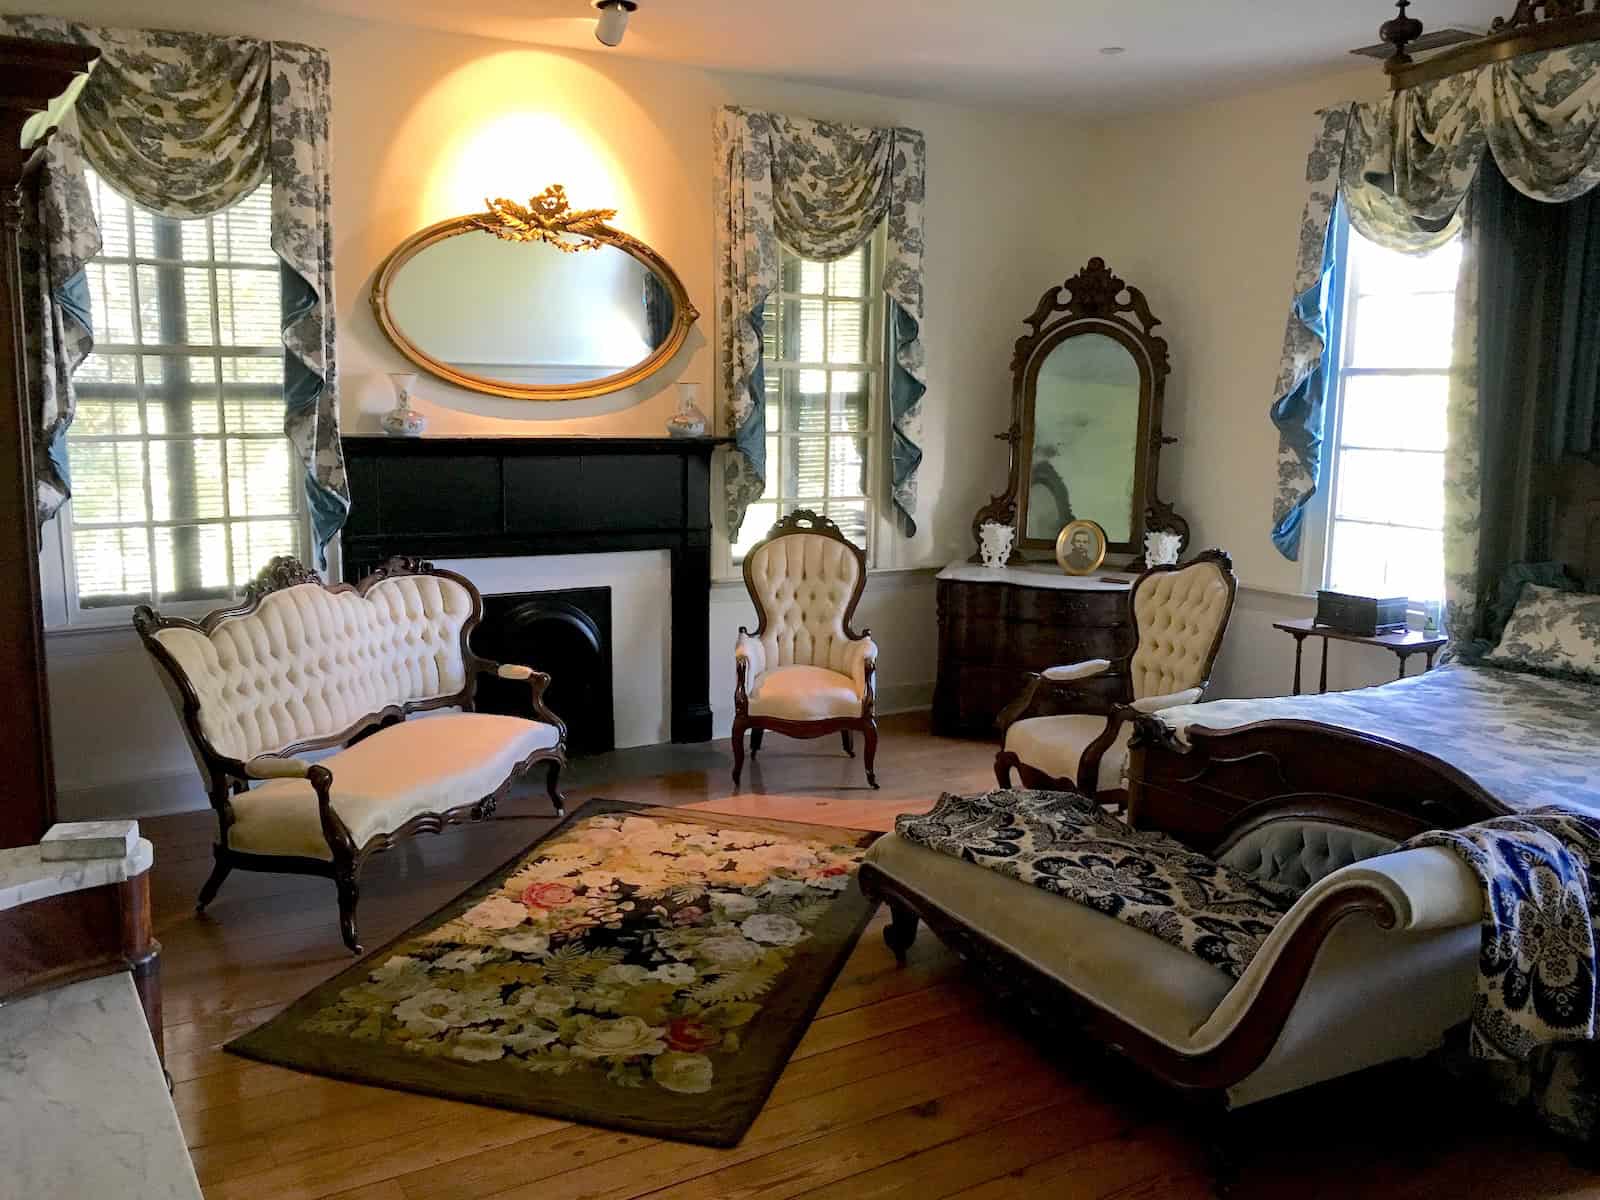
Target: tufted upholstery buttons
x,y
309,663
803,583
1298,853
1179,614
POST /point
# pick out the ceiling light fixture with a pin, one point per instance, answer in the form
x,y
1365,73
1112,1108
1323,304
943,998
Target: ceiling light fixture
x,y
613,22
1113,51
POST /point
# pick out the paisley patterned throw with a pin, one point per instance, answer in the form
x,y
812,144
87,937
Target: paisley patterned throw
x,y
1067,844
640,968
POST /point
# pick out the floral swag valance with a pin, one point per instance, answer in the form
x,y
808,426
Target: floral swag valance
x,y
187,124
1402,167
822,189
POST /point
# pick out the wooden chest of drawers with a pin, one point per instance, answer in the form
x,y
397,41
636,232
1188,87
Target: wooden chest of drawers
x,y
995,628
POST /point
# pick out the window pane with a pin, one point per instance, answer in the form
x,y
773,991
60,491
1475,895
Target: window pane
x,y
847,466
108,397
111,302
806,400
261,477
849,406
255,543
806,468
851,518
1379,560
181,394
774,467
1393,487
771,348
243,234
191,562
195,241
1404,331
1388,272
186,479
247,307
803,275
112,565
802,331
1395,411
847,333
847,276
107,481
252,390
111,211
198,329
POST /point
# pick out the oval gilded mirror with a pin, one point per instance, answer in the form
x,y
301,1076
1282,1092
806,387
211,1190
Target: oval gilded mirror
x,y
539,303
1085,435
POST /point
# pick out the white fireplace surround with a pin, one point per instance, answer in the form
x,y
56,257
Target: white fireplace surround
x,y
641,623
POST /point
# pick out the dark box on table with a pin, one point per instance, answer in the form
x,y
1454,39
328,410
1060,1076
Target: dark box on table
x,y
1364,616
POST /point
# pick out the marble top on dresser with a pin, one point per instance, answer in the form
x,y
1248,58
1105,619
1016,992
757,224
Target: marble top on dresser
x,y
25,877
1038,575
84,1108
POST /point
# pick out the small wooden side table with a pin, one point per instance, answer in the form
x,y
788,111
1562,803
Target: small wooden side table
x,y
1403,644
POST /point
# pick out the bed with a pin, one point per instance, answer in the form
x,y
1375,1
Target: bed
x,y
1452,746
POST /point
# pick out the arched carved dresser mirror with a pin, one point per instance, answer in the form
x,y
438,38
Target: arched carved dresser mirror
x,y
1088,383
536,302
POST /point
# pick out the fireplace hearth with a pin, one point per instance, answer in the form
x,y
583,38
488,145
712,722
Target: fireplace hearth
x,y
464,498
567,635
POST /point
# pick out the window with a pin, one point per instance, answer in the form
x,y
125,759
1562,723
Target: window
x,y
1387,429
183,481
822,351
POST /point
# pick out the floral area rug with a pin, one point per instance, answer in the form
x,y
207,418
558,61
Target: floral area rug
x,y
644,969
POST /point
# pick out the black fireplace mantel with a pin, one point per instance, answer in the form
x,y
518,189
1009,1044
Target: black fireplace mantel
x,y
484,497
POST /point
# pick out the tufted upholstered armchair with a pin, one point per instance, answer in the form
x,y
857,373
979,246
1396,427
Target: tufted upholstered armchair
x,y
1179,616
804,672
304,666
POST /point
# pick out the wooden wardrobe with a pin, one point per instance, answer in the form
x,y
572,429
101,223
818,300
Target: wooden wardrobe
x,y
31,75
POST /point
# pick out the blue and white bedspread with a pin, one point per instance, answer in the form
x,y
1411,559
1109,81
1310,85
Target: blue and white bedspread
x,y
1537,1011
1528,741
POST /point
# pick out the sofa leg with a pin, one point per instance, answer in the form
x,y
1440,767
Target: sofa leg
x,y
349,894
756,735
901,930
848,741
1002,768
219,872
552,786
739,727
869,751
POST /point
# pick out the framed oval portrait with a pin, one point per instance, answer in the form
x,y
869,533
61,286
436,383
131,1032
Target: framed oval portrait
x,y
1081,548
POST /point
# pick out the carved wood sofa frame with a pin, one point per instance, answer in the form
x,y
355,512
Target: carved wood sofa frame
x,y
1376,797
1116,712
226,777
804,521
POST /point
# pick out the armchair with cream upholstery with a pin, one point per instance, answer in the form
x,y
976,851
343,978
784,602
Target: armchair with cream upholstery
x,y
304,666
1179,616
804,672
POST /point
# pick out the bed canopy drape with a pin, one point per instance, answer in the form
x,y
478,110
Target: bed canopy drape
x,y
1403,169
821,188
187,124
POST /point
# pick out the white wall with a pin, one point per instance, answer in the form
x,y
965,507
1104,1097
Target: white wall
x,y
426,125
1201,208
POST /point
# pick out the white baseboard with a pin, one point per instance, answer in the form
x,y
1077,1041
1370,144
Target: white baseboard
x,y
152,796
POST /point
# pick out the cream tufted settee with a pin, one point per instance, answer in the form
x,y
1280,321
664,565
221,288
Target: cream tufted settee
x,y
303,666
803,672
1179,615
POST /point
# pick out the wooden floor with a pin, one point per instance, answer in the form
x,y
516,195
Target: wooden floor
x,y
907,1084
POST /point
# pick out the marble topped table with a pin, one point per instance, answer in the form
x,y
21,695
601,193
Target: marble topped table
x,y
26,877
84,1107
1038,575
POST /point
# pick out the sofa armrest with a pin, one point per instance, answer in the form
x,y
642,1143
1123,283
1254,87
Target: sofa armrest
x,y
860,663
1155,704
537,682
1428,887
269,766
1072,672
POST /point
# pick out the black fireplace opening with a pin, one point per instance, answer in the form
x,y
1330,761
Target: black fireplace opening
x,y
567,635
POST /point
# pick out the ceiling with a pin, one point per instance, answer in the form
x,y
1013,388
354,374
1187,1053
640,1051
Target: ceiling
x,y
1042,54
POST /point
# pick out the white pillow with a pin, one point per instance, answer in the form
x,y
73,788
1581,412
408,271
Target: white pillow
x,y
1551,630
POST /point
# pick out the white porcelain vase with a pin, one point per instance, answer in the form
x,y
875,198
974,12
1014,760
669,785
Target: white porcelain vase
x,y
995,543
688,420
1161,549
402,420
